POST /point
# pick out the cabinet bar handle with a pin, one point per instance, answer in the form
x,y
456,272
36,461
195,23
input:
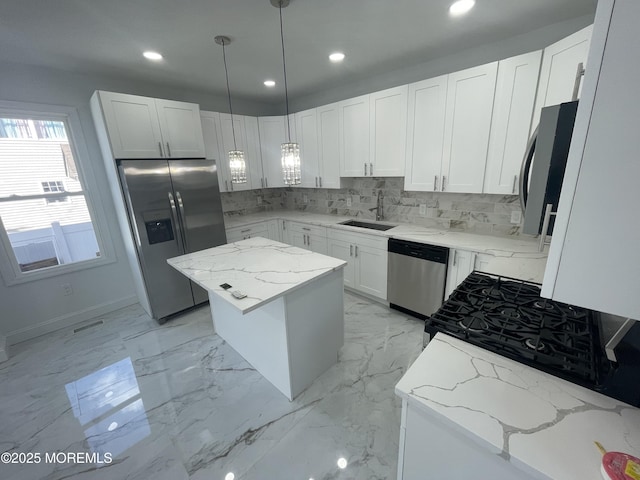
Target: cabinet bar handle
x,y
245,231
283,225
262,182
316,182
515,180
307,229
320,181
308,240
231,183
475,257
160,148
435,183
266,182
226,186
365,169
444,181
455,257
356,251
168,150
351,250
371,169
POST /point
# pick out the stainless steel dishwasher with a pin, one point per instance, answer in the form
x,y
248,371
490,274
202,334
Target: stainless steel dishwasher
x,y
416,277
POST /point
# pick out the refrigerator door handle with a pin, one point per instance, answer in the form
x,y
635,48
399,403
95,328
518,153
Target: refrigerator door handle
x,y
127,198
183,222
176,221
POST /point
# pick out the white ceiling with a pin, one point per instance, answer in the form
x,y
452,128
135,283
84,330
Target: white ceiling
x,y
108,36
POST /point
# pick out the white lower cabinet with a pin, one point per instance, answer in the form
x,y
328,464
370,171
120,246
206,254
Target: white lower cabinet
x,y
461,264
273,227
309,237
427,444
236,234
366,257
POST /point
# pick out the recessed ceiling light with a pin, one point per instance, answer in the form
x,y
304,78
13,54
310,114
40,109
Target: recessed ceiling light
x,y
336,57
152,55
269,83
461,7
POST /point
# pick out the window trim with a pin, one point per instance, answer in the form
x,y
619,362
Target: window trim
x,y
9,268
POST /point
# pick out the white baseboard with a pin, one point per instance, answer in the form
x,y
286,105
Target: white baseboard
x,y
63,321
4,355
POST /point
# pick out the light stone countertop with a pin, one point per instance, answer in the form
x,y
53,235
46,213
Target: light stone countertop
x,y
516,257
540,423
262,269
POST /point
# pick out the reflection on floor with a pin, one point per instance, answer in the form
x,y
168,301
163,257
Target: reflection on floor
x,y
175,402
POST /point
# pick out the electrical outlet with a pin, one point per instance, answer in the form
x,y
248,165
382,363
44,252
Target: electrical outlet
x,y
516,216
66,288
423,209
259,198
305,198
348,201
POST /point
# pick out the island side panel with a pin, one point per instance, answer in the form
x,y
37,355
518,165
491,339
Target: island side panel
x,y
315,328
259,336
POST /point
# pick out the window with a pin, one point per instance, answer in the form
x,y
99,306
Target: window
x,y
47,224
55,186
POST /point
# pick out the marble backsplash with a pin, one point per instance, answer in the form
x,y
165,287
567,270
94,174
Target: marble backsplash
x,y
246,202
475,213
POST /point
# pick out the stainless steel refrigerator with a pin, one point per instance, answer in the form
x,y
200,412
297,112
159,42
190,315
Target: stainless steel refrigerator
x,y
174,208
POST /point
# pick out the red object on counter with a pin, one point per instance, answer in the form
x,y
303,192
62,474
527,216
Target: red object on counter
x,y
620,466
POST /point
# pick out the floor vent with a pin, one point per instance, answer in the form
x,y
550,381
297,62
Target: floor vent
x,y
90,325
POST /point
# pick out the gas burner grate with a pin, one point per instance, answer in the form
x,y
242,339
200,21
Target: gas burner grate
x,y
509,317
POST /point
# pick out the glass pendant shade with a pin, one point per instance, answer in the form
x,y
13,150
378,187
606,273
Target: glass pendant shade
x,y
237,166
291,163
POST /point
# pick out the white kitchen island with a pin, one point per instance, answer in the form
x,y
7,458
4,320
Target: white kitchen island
x,y
290,325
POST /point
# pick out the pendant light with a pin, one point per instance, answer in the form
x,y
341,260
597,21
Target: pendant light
x,y
290,150
237,164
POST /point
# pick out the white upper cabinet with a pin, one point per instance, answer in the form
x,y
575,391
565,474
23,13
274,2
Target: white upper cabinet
x,y
470,96
328,138
511,121
307,136
559,68
317,132
212,135
425,134
594,260
181,129
355,160
388,131
273,133
142,127
227,143
255,175
132,125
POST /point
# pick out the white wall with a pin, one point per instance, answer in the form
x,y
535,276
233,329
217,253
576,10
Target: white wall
x,y
31,309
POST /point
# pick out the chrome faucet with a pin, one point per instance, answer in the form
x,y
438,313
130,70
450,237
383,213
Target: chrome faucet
x,y
379,208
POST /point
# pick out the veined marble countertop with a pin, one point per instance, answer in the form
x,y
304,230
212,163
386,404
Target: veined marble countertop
x,y
514,257
262,269
542,424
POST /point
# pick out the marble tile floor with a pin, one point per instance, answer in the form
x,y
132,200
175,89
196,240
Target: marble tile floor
x,y
174,401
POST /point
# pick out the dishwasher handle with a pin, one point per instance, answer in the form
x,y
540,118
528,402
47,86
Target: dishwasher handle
x,y
432,253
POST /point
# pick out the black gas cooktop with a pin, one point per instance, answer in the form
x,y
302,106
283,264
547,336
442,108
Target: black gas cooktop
x,y
508,316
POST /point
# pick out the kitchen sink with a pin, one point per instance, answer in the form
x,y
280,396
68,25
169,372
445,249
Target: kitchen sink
x,y
372,226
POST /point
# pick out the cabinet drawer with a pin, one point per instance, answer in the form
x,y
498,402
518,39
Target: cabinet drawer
x,y
307,229
373,241
240,233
